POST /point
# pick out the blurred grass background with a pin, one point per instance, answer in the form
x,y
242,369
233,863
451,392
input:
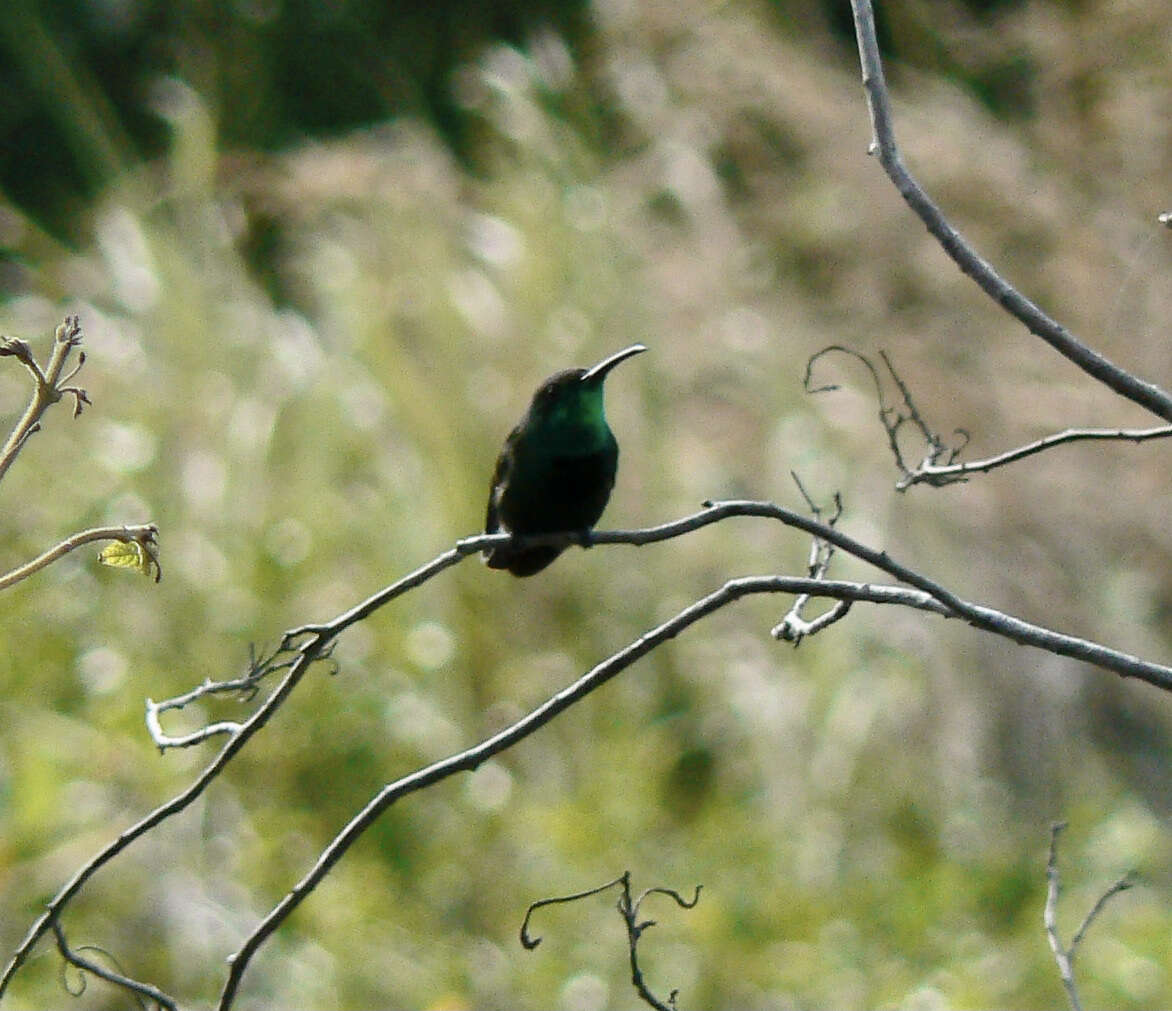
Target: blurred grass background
x,y
324,253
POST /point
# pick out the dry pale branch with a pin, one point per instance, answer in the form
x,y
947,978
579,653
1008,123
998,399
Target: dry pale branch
x,y
629,910
794,627
49,384
145,536
1064,956
941,474
245,687
302,646
941,464
1147,395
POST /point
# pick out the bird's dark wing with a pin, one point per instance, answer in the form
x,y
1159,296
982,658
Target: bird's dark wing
x,y
499,477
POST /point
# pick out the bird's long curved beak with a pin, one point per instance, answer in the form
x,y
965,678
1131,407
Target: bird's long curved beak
x,y
598,373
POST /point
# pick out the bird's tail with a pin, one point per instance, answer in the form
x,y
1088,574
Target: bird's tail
x,y
521,561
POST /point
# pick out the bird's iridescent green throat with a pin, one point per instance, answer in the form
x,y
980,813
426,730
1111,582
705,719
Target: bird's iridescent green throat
x,y
575,421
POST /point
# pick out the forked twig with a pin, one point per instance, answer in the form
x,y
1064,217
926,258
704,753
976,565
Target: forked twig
x,y
629,910
259,668
1064,956
49,384
941,464
794,627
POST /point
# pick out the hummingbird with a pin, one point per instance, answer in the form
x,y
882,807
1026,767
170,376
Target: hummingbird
x,y
557,468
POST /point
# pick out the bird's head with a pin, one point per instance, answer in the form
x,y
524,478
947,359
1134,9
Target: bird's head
x,y
571,400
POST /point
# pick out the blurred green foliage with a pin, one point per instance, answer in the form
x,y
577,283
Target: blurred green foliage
x,y
868,815
86,82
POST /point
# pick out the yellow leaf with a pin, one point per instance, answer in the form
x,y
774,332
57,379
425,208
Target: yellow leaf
x,y
128,555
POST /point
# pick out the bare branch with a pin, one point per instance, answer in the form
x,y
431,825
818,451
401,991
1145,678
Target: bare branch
x,y
629,910
312,642
474,757
950,605
883,145
933,474
930,470
48,385
1122,885
140,990
145,536
1064,956
793,627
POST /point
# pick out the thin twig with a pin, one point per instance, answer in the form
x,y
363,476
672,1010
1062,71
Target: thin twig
x,y
140,990
1064,956
48,386
630,913
930,470
794,627
527,941
941,474
1050,917
890,418
1122,885
1146,394
144,535
246,687
629,910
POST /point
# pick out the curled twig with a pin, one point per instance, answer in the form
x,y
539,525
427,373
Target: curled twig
x,y
142,991
892,418
529,942
941,464
629,910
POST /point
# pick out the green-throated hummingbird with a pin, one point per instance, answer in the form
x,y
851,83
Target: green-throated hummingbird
x,y
557,468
